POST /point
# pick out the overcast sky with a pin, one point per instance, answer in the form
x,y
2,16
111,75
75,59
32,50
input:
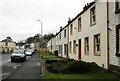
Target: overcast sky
x,y
19,17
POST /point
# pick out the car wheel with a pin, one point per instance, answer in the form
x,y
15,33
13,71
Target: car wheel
x,y
24,59
12,60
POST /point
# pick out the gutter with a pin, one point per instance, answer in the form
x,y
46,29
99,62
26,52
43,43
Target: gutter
x,y
107,34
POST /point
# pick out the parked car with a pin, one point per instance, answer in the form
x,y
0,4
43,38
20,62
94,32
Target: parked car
x,y
29,52
18,55
33,50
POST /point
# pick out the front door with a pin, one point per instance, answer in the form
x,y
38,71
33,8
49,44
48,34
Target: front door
x,y
79,49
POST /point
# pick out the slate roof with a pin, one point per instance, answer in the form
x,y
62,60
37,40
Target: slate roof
x,y
7,40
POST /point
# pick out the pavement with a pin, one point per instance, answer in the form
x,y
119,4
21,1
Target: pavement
x,y
29,70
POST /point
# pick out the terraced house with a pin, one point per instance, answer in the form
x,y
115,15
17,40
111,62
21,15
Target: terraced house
x,y
93,35
114,35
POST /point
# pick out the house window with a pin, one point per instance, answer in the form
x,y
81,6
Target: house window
x,y
60,36
118,40
74,47
65,33
60,49
86,45
93,16
117,6
79,24
65,49
70,47
97,44
71,29
6,43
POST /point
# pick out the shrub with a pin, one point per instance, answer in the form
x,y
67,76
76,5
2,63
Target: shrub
x,y
71,66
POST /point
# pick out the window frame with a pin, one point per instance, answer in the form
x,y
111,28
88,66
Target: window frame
x,y
87,45
65,33
71,29
60,49
117,7
65,49
70,47
60,36
97,53
117,40
74,46
79,24
91,16
6,44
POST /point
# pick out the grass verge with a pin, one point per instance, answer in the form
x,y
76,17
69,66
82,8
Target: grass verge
x,y
82,76
53,76
48,56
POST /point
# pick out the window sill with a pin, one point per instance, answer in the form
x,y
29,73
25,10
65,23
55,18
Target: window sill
x,y
97,54
86,53
93,24
79,30
64,37
117,11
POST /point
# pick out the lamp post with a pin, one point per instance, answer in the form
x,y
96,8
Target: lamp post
x,y
41,33
41,48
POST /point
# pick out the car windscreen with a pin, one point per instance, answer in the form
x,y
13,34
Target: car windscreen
x,y
28,51
19,52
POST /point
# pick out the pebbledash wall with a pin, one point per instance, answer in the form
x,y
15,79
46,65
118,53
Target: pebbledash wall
x,y
87,30
114,21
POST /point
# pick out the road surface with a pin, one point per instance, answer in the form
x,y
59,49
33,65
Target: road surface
x,y
6,66
28,70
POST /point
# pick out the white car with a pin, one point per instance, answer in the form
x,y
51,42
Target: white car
x,y
33,51
29,52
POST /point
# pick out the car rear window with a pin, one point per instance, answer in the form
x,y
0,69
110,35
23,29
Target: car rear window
x,y
19,52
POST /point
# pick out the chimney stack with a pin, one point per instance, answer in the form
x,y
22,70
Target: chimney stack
x,y
9,38
61,28
69,20
86,6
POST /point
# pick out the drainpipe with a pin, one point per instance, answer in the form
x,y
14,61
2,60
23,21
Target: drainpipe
x,y
108,34
68,42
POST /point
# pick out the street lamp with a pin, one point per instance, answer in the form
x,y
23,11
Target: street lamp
x,y
41,45
41,32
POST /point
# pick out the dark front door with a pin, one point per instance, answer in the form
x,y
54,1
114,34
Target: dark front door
x,y
79,49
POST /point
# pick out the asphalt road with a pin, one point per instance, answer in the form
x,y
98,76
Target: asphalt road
x,y
6,66
5,58
28,70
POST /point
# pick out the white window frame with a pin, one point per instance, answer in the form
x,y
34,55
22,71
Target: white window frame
x,y
87,45
74,46
92,15
79,24
97,41
71,29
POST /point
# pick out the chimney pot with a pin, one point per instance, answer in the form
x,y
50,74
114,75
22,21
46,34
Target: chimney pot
x,y
60,28
69,20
